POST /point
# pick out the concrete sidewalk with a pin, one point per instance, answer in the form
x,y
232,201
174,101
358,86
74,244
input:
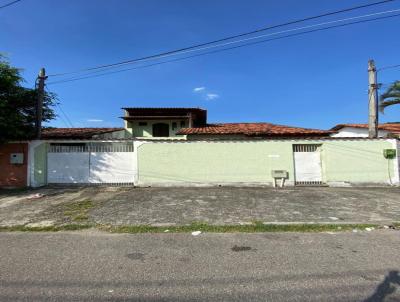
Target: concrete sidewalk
x,y
216,205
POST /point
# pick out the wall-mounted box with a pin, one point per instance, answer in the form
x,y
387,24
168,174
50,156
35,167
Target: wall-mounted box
x,y
389,153
17,158
279,174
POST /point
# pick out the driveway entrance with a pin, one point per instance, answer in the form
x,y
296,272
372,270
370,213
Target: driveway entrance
x,y
95,163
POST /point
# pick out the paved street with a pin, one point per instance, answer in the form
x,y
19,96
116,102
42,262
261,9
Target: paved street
x,y
216,205
94,266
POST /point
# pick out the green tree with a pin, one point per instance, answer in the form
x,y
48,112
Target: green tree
x,y
390,97
17,104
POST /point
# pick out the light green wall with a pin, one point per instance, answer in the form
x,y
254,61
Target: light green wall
x,y
357,161
146,131
40,165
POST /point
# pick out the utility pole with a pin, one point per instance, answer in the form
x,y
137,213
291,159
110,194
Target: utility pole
x,y
39,104
372,101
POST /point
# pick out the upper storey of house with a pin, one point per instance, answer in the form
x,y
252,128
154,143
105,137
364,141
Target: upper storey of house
x,y
162,122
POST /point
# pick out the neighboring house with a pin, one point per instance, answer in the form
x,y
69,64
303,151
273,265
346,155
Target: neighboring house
x,y
361,130
84,133
176,146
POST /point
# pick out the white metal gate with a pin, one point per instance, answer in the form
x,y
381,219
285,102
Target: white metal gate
x,y
307,164
91,163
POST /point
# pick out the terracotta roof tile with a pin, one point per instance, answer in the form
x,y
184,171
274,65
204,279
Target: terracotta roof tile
x,y
253,129
76,133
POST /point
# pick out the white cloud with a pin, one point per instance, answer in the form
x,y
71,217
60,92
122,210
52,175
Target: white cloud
x,y
205,94
211,96
199,89
93,120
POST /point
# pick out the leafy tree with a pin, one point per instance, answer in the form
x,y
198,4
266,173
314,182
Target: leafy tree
x,y
17,105
390,97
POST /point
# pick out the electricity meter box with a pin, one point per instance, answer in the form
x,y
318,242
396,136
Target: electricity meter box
x,y
17,158
389,153
279,174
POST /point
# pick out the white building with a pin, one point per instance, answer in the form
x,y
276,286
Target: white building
x,y
361,130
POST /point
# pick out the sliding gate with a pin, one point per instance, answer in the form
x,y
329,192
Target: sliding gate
x,y
91,163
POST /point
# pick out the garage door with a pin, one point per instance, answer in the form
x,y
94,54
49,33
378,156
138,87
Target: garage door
x,y
307,164
91,163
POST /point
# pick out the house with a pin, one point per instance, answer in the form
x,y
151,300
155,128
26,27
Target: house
x,y
152,123
178,147
361,130
191,123
83,133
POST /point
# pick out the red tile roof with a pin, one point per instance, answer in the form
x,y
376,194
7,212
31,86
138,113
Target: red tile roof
x,y
390,127
75,133
154,111
164,108
254,129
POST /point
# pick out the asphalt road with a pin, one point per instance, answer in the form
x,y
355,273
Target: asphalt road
x,y
94,266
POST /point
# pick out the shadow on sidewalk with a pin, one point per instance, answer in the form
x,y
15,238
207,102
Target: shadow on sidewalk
x,y
385,288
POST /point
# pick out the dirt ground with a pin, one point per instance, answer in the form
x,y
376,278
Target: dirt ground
x,y
216,205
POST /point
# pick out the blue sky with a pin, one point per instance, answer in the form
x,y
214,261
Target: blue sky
x,y
316,80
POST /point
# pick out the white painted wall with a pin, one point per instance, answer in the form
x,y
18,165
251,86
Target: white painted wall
x,y
356,132
396,162
94,167
69,167
112,167
307,166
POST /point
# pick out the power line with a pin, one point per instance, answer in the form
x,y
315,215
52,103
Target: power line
x,y
65,115
62,112
262,36
389,67
223,39
64,121
90,75
9,4
386,85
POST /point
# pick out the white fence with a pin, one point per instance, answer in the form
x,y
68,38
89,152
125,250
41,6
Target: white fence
x,y
92,163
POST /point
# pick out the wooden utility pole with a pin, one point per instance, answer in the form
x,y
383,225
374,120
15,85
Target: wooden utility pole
x,y
39,104
372,101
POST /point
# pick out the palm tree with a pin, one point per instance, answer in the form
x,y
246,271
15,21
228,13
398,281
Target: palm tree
x,y
390,97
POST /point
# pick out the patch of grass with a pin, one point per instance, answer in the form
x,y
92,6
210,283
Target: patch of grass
x,y
58,228
80,217
256,227
78,211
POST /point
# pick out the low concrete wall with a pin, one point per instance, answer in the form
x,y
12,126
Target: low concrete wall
x,y
344,162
